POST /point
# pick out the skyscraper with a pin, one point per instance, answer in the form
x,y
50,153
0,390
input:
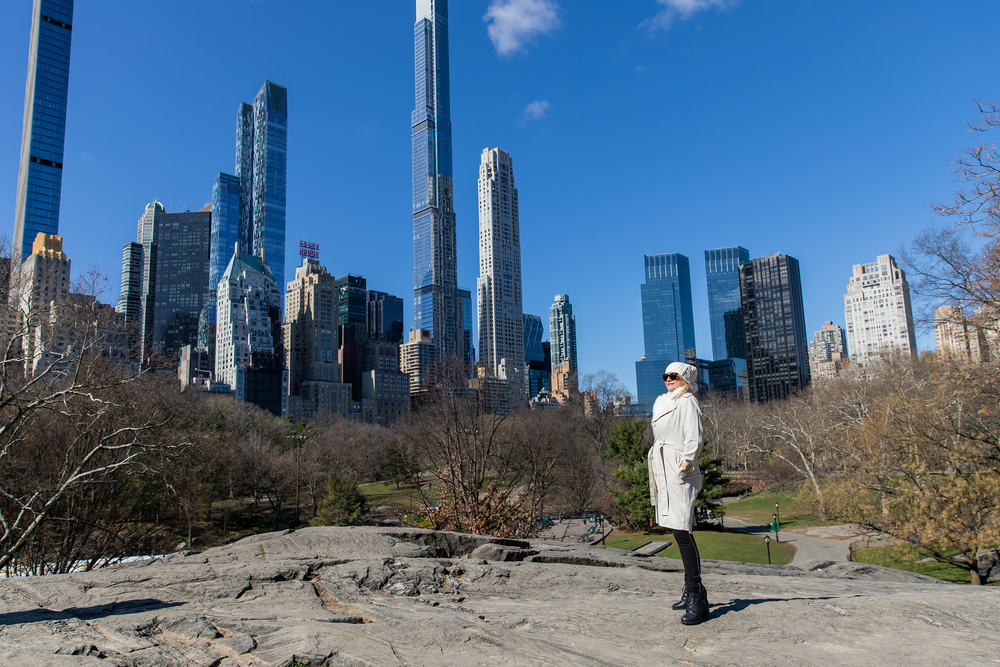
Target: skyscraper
x,y
39,181
249,352
536,360
315,386
827,352
667,321
956,337
225,226
164,275
385,317
775,327
261,166
562,333
724,310
352,301
877,310
501,320
42,287
182,260
436,307
248,208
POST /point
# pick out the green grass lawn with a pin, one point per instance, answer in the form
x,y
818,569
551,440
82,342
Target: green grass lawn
x,y
794,510
712,545
904,558
406,498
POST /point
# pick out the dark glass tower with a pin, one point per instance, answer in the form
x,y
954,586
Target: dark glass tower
x,y
667,321
774,326
39,181
385,317
724,309
436,306
352,301
535,358
182,264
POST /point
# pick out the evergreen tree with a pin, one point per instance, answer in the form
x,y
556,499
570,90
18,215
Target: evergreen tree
x,y
341,505
713,482
627,442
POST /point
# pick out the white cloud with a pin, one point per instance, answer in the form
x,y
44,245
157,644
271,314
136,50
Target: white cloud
x,y
683,10
534,111
514,23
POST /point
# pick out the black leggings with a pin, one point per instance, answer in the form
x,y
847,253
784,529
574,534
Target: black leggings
x,y
690,557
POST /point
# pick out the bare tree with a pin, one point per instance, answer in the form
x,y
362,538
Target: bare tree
x,y
960,265
475,459
605,388
69,392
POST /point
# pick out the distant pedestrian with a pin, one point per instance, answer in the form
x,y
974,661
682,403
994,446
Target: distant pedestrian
x,y
675,479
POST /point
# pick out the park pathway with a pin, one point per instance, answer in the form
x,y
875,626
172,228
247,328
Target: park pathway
x,y
808,548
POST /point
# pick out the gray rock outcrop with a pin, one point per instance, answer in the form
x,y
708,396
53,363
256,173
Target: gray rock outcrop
x,y
376,596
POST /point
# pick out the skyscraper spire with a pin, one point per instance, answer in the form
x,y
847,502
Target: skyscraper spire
x,y
435,273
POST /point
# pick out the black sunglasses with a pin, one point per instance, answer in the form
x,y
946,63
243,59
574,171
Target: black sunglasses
x,y
671,376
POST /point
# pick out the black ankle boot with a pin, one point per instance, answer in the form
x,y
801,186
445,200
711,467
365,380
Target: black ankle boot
x,y
683,602
697,607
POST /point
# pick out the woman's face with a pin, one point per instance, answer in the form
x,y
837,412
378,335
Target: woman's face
x,y
673,381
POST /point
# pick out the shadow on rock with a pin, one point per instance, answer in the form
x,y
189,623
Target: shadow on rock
x,y
740,605
97,611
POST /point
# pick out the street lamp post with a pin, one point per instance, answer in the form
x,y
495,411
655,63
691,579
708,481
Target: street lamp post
x,y
298,454
777,514
776,527
767,543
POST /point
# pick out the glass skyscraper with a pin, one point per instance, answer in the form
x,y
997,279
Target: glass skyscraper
x,y
225,226
261,166
724,309
535,359
39,181
667,321
775,327
385,317
436,306
562,332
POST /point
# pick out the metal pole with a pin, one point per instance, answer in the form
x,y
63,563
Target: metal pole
x,y
767,543
298,454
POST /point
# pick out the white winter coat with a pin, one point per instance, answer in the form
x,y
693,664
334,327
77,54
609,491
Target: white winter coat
x,y
677,439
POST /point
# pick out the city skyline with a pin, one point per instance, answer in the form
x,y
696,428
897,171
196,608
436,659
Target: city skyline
x,y
357,178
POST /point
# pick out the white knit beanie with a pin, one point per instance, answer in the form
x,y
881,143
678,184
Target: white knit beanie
x,y
686,371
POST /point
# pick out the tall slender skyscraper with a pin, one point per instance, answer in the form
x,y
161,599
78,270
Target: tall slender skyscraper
x,y
39,181
562,333
667,321
436,307
774,323
501,319
726,316
262,174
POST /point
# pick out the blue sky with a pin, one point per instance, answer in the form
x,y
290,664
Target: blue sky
x,y
817,129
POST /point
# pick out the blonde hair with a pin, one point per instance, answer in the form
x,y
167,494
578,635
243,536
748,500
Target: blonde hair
x,y
685,389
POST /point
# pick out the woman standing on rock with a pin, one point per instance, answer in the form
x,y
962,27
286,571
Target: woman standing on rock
x,y
675,478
